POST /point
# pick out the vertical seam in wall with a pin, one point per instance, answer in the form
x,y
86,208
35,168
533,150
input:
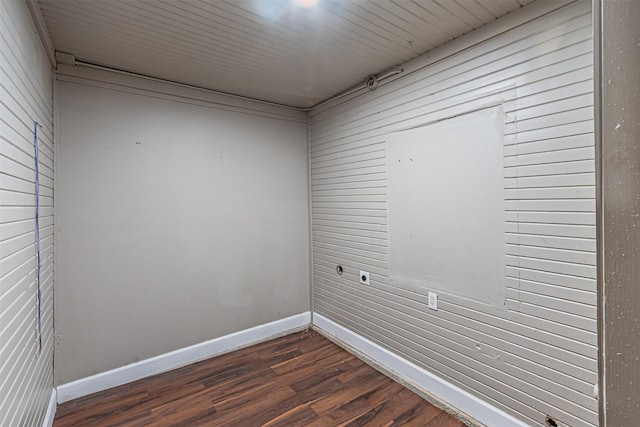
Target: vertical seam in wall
x,y
596,14
310,210
517,148
56,144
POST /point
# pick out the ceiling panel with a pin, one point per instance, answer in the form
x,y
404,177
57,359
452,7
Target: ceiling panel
x,y
273,50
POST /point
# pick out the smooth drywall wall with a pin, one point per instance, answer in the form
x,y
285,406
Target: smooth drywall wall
x,y
181,219
443,180
532,354
26,89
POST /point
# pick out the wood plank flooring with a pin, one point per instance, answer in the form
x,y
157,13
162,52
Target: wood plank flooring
x,y
302,379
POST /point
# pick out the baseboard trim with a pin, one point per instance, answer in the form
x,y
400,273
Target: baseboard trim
x,y
51,410
464,405
181,357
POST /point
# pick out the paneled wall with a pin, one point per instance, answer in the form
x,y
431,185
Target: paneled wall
x,y
26,373
183,217
534,353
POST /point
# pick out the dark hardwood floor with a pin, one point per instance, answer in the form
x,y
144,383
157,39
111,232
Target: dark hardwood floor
x,y
302,379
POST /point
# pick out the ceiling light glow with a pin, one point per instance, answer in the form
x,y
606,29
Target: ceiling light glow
x,y
306,3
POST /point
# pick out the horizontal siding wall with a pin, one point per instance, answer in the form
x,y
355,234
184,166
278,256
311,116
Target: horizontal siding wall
x,y
536,354
26,378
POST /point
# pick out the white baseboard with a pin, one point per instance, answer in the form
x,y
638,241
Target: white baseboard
x,y
181,357
407,372
420,379
51,410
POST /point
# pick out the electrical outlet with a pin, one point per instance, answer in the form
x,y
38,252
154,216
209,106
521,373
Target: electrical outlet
x,y
433,301
364,277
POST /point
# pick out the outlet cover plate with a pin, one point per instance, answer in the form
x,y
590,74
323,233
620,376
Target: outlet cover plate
x,y
364,277
433,301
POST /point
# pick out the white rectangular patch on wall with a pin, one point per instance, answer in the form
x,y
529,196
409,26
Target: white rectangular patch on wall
x,y
446,206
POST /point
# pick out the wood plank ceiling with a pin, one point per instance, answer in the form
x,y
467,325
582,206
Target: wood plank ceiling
x,y
273,50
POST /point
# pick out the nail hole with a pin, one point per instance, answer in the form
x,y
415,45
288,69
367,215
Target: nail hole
x,y
551,422
339,270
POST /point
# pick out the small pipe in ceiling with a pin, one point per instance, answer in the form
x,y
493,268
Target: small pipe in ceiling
x,y
372,83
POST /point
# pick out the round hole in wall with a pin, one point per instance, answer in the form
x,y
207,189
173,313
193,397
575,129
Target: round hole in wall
x,y
551,422
339,270
364,278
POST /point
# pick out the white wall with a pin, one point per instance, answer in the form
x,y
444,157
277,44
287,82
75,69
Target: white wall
x,y
443,181
182,217
535,352
26,85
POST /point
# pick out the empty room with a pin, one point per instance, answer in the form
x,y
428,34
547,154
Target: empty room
x,y
320,213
